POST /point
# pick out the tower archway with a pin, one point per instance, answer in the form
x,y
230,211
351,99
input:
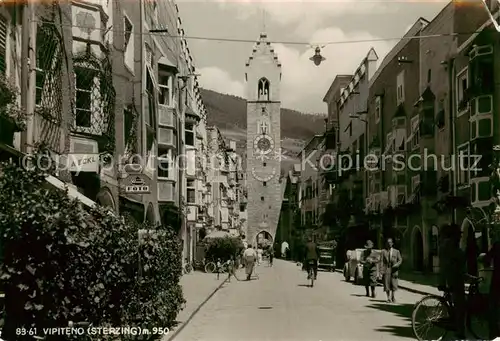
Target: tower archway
x,y
264,239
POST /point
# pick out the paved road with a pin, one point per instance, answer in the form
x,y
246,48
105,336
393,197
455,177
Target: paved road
x,y
280,307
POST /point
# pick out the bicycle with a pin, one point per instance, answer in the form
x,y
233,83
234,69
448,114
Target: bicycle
x,y
476,305
210,267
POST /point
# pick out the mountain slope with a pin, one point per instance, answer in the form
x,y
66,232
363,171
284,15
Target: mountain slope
x,y
228,113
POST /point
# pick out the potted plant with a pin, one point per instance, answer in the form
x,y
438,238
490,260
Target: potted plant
x,y
12,118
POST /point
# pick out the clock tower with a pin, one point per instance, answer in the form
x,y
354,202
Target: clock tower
x,y
263,166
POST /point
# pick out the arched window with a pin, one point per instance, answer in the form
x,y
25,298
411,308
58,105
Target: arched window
x,y
263,90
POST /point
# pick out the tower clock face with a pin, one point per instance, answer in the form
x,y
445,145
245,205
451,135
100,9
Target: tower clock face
x,y
264,144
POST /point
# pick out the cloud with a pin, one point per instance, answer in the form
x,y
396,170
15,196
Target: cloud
x,y
304,85
219,80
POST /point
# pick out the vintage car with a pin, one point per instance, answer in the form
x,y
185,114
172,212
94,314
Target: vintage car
x,y
353,267
327,255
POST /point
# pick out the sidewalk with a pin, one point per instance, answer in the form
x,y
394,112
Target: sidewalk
x,y
198,288
419,283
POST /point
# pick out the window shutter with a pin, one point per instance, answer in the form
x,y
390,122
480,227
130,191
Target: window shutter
x,y
3,44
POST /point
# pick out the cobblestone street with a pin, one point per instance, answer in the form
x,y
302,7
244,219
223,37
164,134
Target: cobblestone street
x,y
279,306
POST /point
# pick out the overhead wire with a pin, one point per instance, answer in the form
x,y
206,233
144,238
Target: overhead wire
x,y
283,42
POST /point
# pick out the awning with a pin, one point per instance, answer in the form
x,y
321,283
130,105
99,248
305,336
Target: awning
x,y
413,198
415,127
399,139
153,77
389,145
164,61
190,114
72,192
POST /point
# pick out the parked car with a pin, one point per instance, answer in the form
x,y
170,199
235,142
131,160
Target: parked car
x,y
354,269
326,255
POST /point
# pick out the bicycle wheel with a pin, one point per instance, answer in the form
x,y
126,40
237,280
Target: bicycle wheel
x,y
188,268
436,319
210,267
477,315
223,269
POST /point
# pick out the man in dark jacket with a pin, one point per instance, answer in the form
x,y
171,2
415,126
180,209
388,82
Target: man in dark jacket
x,y
311,255
453,273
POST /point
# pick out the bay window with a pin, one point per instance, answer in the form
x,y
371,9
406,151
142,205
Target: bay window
x,y
190,192
189,134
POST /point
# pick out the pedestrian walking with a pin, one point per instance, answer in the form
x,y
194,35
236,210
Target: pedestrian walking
x,y
259,255
271,256
391,261
230,268
370,261
218,266
250,257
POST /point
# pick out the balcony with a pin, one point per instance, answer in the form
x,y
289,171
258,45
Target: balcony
x,y
166,138
481,126
166,190
166,116
481,105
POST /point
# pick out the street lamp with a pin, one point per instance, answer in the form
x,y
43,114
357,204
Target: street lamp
x,y
317,58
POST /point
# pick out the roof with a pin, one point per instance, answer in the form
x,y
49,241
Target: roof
x,y
313,142
417,27
337,84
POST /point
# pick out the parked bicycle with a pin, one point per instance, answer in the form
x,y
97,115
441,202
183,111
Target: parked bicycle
x,y
198,265
439,312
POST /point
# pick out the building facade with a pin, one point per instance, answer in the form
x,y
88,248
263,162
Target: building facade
x,y
263,167
115,98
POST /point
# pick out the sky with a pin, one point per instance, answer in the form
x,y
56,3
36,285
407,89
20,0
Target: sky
x,y
365,23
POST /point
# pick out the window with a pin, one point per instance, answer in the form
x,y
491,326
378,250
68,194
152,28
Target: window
x,y
189,134
462,164
378,109
165,87
85,81
263,128
264,164
401,87
461,89
264,184
48,57
3,45
415,132
190,192
150,118
164,163
129,43
429,75
242,208
263,90
261,198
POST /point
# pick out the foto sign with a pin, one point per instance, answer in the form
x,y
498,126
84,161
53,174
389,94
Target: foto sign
x,y
137,184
